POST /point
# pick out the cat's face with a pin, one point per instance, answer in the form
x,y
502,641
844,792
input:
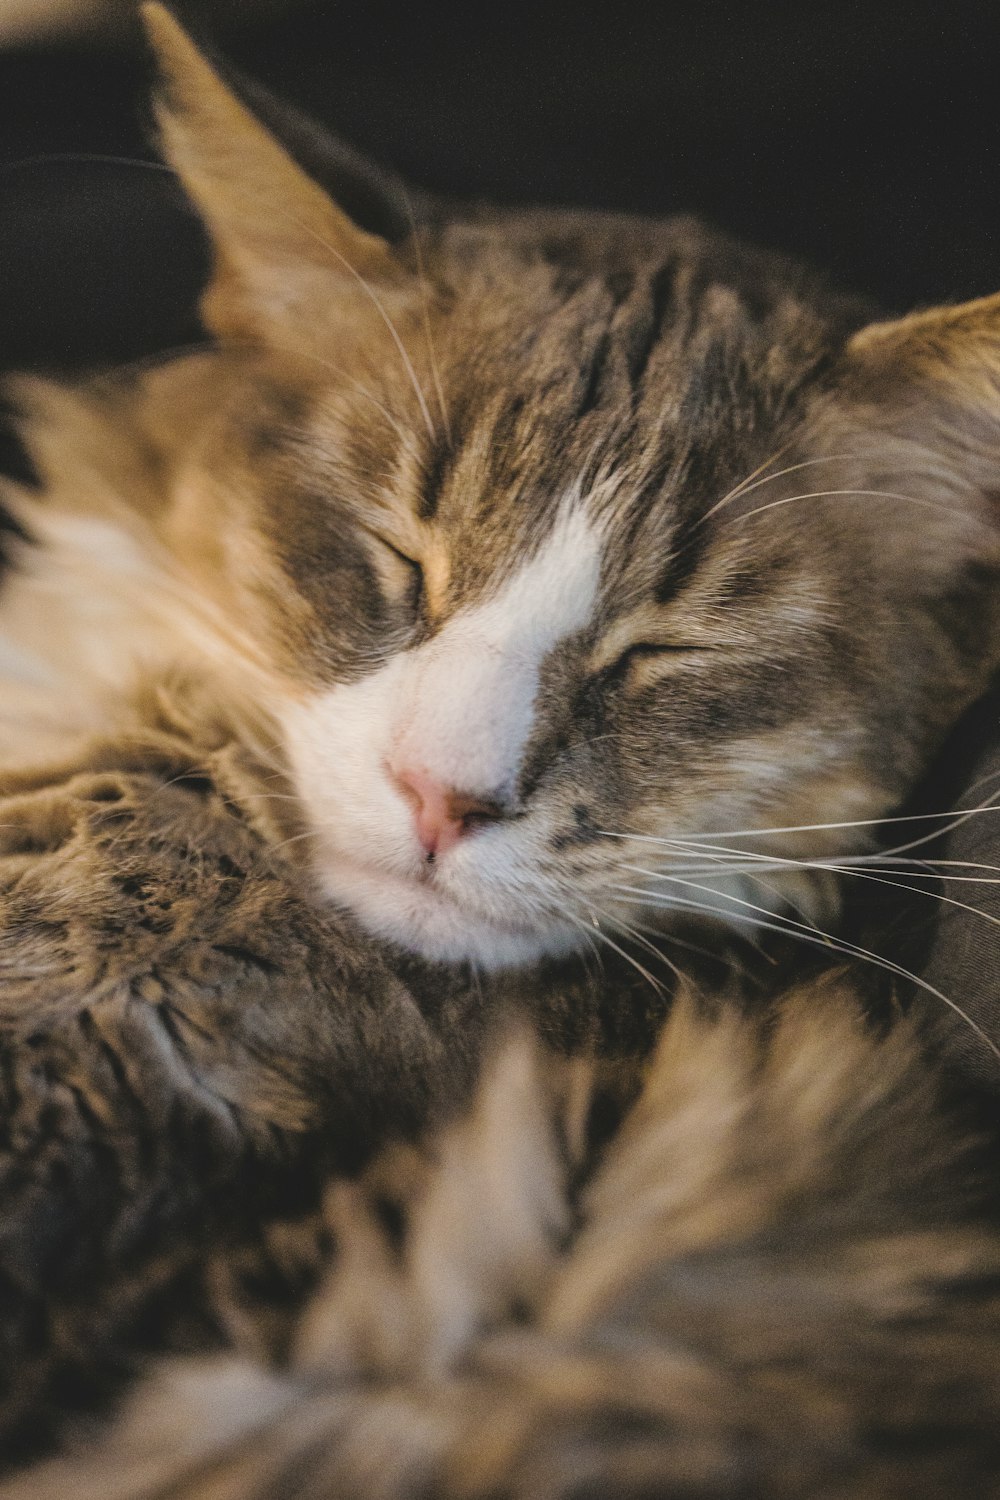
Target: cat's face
x,y
517,530
526,629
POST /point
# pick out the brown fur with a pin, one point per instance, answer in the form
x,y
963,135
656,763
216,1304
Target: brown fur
x,y
768,1284
762,661
241,1126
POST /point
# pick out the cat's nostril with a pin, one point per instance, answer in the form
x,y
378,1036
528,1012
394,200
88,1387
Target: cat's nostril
x,y
442,815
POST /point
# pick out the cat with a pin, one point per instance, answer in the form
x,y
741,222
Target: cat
x,y
532,588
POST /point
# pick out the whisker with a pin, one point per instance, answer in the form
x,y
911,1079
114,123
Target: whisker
x,y
310,833
958,820
675,941
569,916
774,922
106,158
739,833
477,981
827,494
737,861
390,325
722,865
746,487
739,489
354,384
948,864
99,158
422,279
272,796
749,864
629,959
638,937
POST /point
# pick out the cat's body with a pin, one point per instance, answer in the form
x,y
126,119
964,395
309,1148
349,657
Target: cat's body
x,y
477,601
774,1281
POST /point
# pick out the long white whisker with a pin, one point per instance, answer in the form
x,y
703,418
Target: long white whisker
x,y
746,487
100,158
824,939
741,833
722,865
949,864
675,941
354,384
827,494
310,833
745,483
938,833
383,314
422,279
737,860
749,865
568,915
628,957
639,937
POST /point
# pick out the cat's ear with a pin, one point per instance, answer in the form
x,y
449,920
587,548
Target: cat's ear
x,y
914,427
287,259
932,381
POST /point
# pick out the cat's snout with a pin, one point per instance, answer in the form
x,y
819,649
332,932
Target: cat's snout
x,y
442,815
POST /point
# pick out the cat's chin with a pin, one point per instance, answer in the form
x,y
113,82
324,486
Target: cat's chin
x,y
428,921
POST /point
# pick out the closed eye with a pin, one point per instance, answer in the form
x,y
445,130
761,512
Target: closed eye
x,y
640,649
647,654
402,572
642,659
648,635
652,651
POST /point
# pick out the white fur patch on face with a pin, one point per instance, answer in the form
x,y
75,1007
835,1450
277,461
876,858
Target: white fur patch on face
x,y
459,709
467,698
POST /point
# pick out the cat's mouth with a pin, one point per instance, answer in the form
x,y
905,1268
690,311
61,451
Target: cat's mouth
x,y
423,914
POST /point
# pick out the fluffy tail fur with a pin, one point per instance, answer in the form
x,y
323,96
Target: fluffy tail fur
x,y
769,1281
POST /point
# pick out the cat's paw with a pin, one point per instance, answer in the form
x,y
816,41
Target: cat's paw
x,y
145,902
36,821
106,869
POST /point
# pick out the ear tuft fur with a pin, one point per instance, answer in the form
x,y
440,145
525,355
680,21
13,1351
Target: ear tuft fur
x,y
286,256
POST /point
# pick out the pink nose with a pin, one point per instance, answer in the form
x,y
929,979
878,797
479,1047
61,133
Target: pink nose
x,y
441,814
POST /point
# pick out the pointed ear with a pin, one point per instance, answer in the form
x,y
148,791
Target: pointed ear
x,y
933,380
286,257
916,412
912,438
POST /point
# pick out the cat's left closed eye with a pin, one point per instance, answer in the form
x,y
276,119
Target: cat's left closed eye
x,y
641,649
414,570
652,651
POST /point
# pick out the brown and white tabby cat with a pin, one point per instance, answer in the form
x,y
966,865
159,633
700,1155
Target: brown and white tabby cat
x,y
540,581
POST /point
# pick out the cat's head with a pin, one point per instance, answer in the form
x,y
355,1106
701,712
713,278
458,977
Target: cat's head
x,y
554,538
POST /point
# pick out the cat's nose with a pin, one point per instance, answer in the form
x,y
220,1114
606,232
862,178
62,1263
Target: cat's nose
x,y
441,814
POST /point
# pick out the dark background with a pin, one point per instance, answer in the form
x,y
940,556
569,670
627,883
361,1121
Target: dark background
x,y
864,137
